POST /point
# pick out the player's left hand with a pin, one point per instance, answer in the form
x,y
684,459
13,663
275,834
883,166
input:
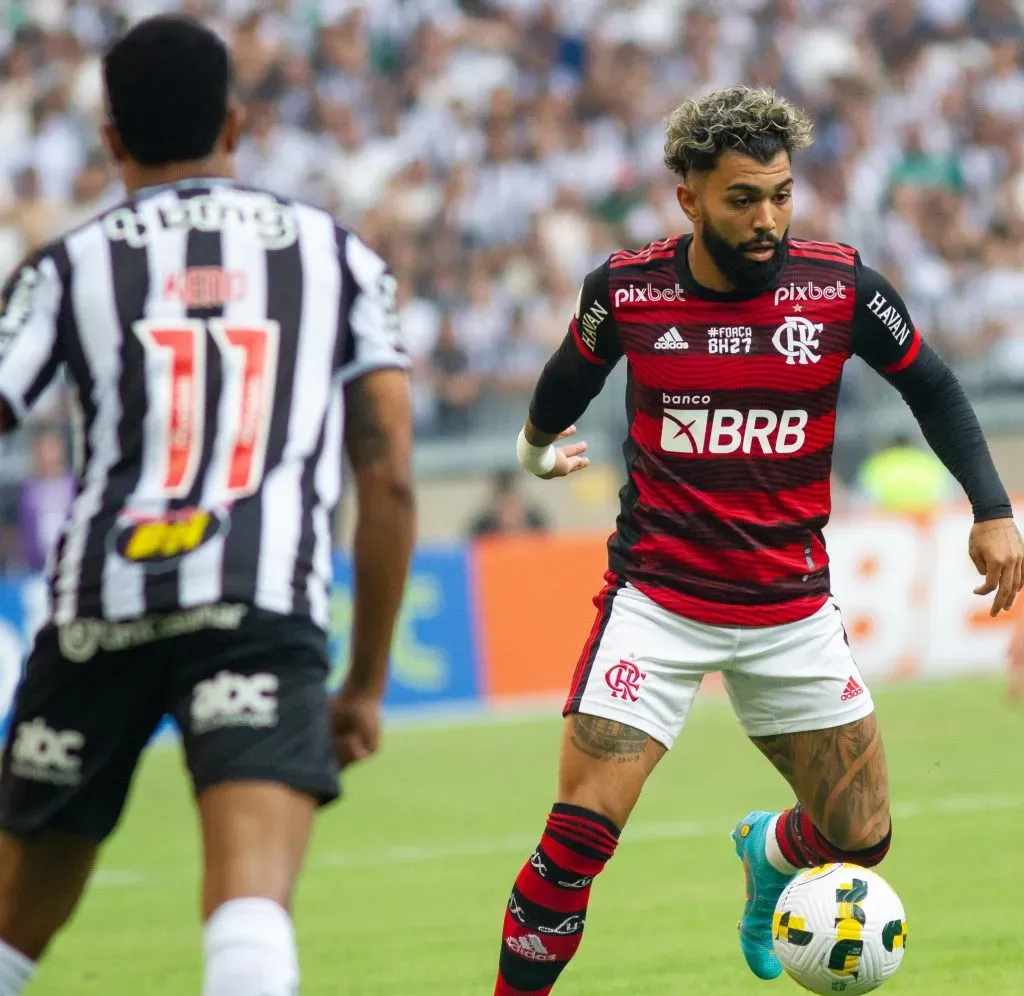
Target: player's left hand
x,y
568,459
998,553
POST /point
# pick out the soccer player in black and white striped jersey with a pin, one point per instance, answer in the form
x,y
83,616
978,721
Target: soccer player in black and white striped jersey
x,y
224,347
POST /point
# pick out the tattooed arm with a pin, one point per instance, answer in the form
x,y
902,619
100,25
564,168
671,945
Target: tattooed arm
x,y
378,439
839,776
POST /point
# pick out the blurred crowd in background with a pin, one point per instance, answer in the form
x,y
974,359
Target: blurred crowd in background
x,y
494,151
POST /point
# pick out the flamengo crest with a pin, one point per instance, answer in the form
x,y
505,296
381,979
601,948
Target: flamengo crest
x,y
796,339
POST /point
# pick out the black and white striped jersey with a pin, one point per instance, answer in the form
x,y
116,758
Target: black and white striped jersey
x,y
206,331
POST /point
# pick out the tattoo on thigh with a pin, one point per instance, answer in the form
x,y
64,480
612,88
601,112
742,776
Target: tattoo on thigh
x,y
607,740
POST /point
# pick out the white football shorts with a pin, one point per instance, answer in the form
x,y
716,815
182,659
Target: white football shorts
x,y
643,665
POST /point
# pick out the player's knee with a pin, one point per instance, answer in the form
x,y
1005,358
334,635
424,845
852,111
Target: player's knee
x,y
587,786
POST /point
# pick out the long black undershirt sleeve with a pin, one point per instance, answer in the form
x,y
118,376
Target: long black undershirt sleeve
x,y
884,335
565,388
949,424
577,370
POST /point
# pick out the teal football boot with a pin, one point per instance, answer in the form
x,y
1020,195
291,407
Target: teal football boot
x,y
764,886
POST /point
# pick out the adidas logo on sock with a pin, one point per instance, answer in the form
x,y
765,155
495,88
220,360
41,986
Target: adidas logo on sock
x,y
672,340
852,690
530,947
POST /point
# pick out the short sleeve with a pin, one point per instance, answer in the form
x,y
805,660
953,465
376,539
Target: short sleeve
x,y
30,351
369,334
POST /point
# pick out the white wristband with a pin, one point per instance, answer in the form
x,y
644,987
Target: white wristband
x,y
539,460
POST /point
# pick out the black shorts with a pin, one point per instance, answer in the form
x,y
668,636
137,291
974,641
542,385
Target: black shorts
x,y
245,687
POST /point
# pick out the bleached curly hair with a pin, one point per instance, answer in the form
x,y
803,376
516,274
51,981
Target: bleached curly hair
x,y
751,120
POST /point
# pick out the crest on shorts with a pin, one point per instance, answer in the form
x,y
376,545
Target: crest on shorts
x,y
624,680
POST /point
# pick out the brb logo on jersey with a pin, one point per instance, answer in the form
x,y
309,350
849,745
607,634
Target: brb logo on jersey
x,y
700,431
796,338
158,544
634,294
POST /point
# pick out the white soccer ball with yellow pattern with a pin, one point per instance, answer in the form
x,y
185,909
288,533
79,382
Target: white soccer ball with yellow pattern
x,y
840,929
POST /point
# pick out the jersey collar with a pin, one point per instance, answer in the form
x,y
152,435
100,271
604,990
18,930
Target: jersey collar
x,y
189,183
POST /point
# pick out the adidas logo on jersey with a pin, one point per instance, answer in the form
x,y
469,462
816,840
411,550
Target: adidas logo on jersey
x,y
672,340
852,690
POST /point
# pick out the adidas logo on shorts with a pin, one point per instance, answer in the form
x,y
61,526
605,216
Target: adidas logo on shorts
x,y
672,340
852,690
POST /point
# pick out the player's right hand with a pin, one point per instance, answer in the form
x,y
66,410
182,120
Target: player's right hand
x,y
997,551
568,459
355,725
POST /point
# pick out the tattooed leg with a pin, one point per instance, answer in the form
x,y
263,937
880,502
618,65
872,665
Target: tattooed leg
x,y
604,765
839,777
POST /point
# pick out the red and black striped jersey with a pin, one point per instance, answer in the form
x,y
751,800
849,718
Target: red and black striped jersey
x,y
731,404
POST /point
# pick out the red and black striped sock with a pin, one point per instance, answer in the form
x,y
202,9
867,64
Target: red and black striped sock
x,y
548,906
803,845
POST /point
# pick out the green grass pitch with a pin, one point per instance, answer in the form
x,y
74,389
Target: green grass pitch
x,y
405,886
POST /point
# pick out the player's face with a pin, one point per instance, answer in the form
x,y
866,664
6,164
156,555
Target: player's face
x,y
741,212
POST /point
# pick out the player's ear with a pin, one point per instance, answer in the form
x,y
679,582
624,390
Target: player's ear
x,y
112,142
233,126
687,197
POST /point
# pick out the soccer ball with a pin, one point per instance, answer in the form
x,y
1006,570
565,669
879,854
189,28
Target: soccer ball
x,y
839,929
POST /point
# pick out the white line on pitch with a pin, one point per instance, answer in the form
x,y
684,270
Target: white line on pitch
x,y
637,833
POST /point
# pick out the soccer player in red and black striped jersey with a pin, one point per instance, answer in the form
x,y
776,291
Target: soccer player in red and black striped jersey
x,y
735,340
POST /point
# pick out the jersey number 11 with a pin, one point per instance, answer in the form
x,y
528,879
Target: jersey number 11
x,y
176,384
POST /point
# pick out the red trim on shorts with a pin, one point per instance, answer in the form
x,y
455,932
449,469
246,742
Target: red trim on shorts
x,y
603,601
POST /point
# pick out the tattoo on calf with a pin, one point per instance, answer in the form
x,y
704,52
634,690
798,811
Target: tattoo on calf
x,y
851,794
778,750
608,740
839,775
